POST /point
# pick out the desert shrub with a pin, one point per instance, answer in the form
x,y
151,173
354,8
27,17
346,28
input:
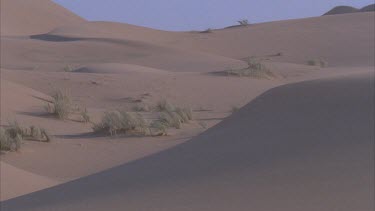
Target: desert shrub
x,y
243,22
61,105
254,69
170,119
141,107
317,62
121,122
164,105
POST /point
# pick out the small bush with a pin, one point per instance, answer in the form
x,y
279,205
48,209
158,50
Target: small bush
x,y
61,105
121,122
254,69
317,62
243,22
235,109
9,142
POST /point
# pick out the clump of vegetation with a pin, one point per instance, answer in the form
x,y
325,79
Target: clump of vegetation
x,y
68,68
235,109
12,136
61,105
243,22
121,122
164,105
141,107
158,128
254,69
176,117
209,30
317,62
9,142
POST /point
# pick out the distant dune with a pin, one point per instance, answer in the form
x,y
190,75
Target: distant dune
x,y
33,17
348,9
368,8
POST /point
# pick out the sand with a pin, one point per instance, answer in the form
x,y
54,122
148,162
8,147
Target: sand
x,y
114,65
316,156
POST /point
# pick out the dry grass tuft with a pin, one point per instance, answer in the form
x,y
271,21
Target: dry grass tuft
x,y
61,105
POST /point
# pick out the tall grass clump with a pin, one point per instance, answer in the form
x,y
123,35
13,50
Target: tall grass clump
x,y
121,122
61,105
8,142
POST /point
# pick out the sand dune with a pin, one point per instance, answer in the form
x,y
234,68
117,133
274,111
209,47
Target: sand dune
x,y
254,159
316,156
369,8
297,40
342,10
347,9
55,55
20,17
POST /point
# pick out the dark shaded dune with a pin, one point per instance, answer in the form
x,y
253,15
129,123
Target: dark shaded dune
x,y
369,8
317,155
341,10
54,38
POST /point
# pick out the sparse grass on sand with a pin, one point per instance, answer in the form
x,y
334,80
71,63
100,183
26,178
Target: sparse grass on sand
x,y
317,62
129,123
61,105
255,69
12,136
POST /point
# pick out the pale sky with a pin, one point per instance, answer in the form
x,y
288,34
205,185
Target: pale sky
x,y
184,15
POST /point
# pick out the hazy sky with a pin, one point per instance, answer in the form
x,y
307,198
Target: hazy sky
x,y
200,14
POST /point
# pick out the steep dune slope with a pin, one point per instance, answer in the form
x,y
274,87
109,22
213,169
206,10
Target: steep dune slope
x,y
21,17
